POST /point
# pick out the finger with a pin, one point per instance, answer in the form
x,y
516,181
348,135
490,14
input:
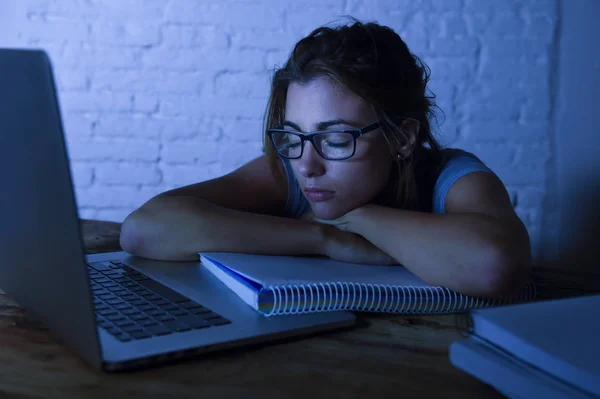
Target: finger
x,y
340,225
334,222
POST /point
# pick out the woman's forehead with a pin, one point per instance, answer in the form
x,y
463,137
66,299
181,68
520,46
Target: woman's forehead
x,y
319,100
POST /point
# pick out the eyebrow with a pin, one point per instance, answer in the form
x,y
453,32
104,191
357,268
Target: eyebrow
x,y
325,124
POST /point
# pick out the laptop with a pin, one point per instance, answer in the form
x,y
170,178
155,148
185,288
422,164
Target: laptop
x,y
115,310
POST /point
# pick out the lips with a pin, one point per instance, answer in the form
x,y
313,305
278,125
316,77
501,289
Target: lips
x,y
318,194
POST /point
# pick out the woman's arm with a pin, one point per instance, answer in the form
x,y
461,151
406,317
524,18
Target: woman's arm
x,y
237,212
478,247
176,228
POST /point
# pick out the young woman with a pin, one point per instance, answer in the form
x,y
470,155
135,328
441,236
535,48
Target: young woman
x,y
351,171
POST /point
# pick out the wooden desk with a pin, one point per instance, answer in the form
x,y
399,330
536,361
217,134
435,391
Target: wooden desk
x,y
386,355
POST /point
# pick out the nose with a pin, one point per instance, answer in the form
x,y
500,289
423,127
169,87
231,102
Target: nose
x,y
310,163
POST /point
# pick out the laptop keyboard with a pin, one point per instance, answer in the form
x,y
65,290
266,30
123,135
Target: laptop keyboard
x,y
131,306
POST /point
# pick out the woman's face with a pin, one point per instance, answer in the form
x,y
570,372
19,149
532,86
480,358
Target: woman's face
x,y
347,184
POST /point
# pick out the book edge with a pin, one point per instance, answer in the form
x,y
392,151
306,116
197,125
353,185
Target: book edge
x,y
229,277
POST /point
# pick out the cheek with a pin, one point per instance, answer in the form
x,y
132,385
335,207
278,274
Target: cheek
x,y
362,181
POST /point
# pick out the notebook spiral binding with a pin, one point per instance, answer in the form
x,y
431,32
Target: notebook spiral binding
x,y
337,296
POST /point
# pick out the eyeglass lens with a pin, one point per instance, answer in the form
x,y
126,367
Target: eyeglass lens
x,y
330,145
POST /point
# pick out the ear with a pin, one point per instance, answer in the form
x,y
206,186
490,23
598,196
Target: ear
x,y
410,128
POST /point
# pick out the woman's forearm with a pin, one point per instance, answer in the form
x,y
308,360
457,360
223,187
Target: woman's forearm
x,y
470,253
177,228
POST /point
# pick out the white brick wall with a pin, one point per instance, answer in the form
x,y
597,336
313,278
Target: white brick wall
x,y
157,94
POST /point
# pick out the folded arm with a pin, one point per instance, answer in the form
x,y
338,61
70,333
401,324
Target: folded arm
x,y
478,247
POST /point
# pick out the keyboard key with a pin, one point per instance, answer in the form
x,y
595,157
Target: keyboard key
x,y
123,337
130,284
114,302
121,292
153,298
124,323
123,306
189,304
129,270
107,271
101,306
199,311
106,312
130,312
114,266
129,297
113,330
198,307
178,312
115,317
156,312
164,318
147,323
145,308
99,291
218,321
106,296
158,330
112,275
99,280
168,306
138,302
140,335
139,317
114,288
176,326
100,266
122,280
139,278
163,291
131,328
193,321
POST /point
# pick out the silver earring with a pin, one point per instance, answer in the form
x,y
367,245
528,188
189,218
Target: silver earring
x,y
398,156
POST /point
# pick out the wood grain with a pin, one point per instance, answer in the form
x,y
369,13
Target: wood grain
x,y
387,355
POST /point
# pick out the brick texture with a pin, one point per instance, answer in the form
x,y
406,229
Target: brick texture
x,y
157,94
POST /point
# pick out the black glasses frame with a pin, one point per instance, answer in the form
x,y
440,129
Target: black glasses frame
x,y
311,137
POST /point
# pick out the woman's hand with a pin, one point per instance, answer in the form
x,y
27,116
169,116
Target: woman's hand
x,y
353,248
343,245
341,223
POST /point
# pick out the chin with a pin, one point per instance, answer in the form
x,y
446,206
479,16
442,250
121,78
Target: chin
x,y
329,212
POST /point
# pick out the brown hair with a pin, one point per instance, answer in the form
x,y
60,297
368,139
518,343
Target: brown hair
x,y
372,61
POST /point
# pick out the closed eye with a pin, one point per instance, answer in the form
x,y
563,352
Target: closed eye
x,y
338,144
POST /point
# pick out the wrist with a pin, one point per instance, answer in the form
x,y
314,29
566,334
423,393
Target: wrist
x,y
355,218
324,233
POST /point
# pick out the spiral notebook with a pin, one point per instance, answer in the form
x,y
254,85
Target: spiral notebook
x,y
276,285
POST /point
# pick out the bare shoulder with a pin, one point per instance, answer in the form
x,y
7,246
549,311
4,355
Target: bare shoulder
x,y
250,188
480,192
483,192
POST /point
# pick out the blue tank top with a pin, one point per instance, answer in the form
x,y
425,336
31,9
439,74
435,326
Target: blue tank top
x,y
456,164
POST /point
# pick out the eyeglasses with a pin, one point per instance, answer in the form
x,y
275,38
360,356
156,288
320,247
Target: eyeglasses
x,y
332,144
